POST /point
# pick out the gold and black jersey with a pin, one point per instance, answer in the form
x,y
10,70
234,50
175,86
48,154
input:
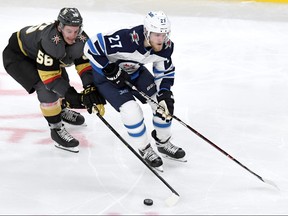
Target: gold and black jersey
x,y
45,44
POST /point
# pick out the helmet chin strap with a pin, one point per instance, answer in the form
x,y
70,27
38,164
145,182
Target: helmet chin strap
x,y
147,41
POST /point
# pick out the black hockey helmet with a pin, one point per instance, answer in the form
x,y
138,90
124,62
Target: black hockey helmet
x,y
70,17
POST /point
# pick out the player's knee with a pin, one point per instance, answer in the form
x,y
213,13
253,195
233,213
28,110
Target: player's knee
x,y
51,109
131,112
132,118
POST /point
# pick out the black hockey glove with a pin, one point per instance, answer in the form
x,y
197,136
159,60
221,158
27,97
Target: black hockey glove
x,y
116,75
91,97
166,105
72,99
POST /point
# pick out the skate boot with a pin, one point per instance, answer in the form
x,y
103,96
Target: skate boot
x,y
63,139
72,117
151,158
168,149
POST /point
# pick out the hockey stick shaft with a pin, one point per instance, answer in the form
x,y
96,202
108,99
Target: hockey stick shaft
x,y
200,135
133,151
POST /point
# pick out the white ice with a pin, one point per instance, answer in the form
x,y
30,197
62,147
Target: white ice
x,y
231,86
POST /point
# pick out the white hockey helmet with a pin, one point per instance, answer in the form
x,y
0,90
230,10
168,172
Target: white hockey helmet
x,y
158,22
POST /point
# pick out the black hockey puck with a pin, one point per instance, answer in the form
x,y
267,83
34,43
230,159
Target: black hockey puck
x,y
148,202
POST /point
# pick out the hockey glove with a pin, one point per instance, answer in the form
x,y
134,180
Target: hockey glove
x,y
72,99
166,105
91,97
116,75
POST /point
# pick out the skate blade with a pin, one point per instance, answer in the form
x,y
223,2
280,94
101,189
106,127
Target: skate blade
x,y
159,169
70,149
82,125
174,159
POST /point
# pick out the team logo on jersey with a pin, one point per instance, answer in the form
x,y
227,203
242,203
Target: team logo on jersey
x,y
56,39
82,38
168,43
134,37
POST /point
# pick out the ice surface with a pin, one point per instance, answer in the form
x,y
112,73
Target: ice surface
x,y
231,86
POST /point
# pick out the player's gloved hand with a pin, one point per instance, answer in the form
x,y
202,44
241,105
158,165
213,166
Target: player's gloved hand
x,y
72,99
166,105
115,74
91,97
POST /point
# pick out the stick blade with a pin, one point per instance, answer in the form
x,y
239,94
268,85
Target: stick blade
x,y
172,200
270,183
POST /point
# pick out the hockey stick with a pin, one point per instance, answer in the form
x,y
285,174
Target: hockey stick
x,y
171,200
201,136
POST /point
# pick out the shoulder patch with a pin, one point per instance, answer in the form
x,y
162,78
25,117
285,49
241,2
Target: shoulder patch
x,y
82,38
56,39
168,44
134,37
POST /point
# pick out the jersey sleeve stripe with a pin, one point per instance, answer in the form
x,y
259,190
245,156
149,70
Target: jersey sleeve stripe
x,y
101,42
82,68
20,44
92,47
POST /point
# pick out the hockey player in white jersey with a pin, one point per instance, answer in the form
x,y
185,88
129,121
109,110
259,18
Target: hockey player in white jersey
x,y
120,56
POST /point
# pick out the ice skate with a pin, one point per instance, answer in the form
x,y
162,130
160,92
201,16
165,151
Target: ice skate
x,y
72,117
151,158
64,140
168,150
